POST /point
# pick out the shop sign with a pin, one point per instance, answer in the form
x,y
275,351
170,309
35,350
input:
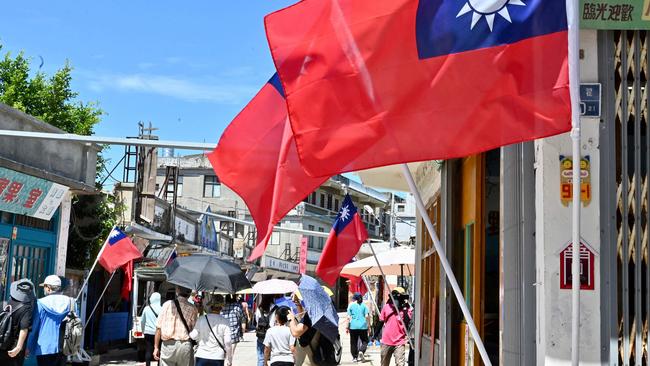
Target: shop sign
x,y
615,14
587,260
566,180
281,265
590,95
303,254
26,195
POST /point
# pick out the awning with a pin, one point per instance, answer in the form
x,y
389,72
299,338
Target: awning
x,y
387,177
146,233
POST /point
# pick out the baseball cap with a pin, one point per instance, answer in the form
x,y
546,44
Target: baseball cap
x,y
51,280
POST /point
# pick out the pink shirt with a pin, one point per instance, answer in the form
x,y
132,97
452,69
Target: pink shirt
x,y
393,333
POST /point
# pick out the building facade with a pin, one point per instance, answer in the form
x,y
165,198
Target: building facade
x,y
504,220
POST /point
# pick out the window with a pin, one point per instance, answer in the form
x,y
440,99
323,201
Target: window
x,y
311,238
275,238
312,198
430,276
336,204
322,200
179,189
400,208
329,201
321,240
211,186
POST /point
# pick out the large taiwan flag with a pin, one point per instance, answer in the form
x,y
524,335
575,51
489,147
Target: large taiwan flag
x,y
343,243
371,83
256,157
118,250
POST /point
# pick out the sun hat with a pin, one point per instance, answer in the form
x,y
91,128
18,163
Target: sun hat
x,y
22,290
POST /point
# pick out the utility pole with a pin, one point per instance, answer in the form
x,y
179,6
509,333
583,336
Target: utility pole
x,y
392,220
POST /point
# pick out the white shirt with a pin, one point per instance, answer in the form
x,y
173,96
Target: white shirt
x,y
280,341
208,346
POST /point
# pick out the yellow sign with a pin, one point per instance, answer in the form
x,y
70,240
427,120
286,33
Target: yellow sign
x,y
566,180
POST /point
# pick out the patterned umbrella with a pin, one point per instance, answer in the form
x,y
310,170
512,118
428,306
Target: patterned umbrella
x,y
320,308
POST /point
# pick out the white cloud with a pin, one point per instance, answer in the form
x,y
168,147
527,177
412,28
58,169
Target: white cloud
x,y
174,87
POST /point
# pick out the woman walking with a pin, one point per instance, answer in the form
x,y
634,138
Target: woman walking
x,y
212,333
148,323
279,343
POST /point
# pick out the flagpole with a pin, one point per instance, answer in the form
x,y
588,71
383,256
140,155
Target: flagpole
x,y
574,82
99,300
90,273
446,266
390,293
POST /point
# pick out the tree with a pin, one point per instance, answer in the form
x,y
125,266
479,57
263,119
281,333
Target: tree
x,y
52,100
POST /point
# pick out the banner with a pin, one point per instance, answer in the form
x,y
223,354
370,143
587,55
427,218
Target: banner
x,y
27,195
303,254
615,14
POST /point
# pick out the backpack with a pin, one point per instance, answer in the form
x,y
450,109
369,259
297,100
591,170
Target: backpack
x,y
7,339
263,324
327,353
71,333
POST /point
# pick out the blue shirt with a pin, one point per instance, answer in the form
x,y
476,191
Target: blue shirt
x,y
49,313
358,313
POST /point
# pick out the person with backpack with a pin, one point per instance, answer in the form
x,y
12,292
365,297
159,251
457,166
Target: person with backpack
x,y
212,332
148,324
15,323
264,319
278,342
46,340
175,322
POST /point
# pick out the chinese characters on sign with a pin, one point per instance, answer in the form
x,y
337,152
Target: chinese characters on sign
x,y
26,195
587,259
303,254
615,14
566,180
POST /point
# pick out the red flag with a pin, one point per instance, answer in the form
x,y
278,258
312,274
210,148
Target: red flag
x,y
371,83
118,251
127,285
346,237
257,158
356,284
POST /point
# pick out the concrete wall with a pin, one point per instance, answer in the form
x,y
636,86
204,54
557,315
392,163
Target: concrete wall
x,y
553,228
69,163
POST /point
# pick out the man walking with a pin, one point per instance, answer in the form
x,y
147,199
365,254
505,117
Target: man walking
x,y
175,322
358,326
393,339
51,310
21,305
234,314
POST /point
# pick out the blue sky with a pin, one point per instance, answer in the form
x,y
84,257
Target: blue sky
x,y
188,67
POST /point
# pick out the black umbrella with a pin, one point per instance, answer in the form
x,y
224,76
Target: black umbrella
x,y
206,273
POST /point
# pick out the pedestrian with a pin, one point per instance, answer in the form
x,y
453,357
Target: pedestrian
x,y
279,343
20,309
264,319
393,339
302,329
175,321
247,316
234,314
212,332
148,322
358,315
50,312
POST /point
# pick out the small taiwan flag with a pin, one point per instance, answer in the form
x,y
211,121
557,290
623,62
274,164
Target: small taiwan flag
x,y
346,237
118,250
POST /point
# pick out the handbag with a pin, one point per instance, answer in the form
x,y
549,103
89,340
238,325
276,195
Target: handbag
x,y
180,313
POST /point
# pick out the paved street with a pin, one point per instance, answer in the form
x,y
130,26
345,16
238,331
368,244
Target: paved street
x,y
246,355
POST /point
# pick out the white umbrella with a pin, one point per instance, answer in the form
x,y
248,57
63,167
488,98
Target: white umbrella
x,y
397,262
274,286
387,177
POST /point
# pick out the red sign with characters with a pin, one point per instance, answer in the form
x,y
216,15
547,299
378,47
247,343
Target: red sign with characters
x,y
587,261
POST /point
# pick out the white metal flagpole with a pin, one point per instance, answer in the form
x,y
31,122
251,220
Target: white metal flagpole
x,y
574,82
81,289
446,266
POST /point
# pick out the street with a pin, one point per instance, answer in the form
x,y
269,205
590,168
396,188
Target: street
x,y
246,354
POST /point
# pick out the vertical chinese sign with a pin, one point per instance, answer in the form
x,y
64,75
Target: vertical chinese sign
x,y
303,255
26,195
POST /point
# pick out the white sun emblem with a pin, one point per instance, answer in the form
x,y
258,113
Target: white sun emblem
x,y
114,233
345,213
488,9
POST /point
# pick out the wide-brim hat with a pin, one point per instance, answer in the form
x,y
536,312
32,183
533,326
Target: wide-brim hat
x,y
22,290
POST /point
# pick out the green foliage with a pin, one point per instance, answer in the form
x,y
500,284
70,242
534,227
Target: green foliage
x,y
52,100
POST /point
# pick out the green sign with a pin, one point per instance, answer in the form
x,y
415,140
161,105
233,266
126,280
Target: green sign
x,y
615,14
26,195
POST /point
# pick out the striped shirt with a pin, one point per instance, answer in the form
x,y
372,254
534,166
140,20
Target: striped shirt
x,y
234,314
